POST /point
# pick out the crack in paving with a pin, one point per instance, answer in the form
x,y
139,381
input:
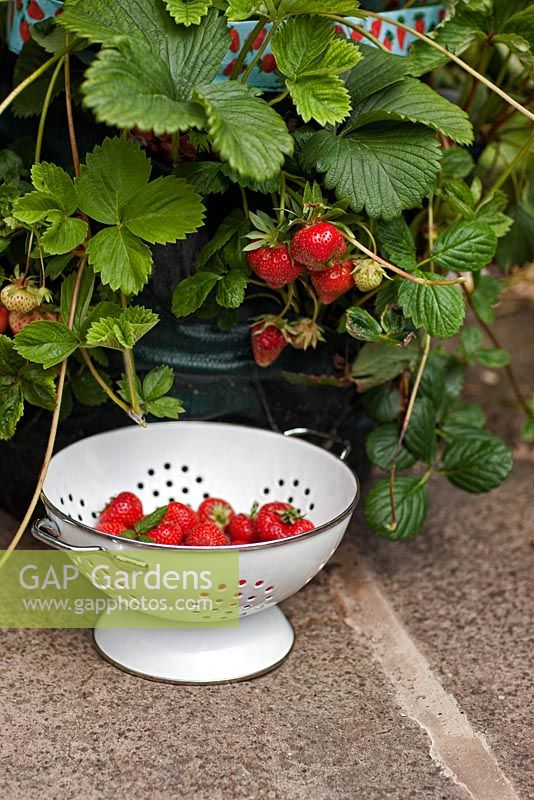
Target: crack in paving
x,y
460,751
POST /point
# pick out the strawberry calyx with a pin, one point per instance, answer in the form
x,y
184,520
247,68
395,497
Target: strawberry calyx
x,y
305,333
267,232
289,515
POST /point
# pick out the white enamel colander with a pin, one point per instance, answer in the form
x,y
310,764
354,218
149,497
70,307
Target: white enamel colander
x,y
188,461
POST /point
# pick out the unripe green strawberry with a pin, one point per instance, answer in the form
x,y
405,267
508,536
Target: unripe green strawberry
x,y
367,274
20,296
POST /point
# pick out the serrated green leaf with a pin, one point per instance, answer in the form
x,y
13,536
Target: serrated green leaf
x,y
163,211
207,177
456,163
420,435
64,235
52,180
411,505
440,310
190,293
122,331
231,289
299,43
122,260
11,410
455,34
380,447
38,386
342,7
382,403
87,391
120,91
235,225
467,245
323,98
459,196
157,382
165,407
361,325
383,171
46,343
396,241
414,101
33,207
246,132
112,175
188,12
465,414
491,213
476,464
377,363
374,72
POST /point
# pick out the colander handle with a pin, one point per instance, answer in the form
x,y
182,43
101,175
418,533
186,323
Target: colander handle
x,y
329,437
46,531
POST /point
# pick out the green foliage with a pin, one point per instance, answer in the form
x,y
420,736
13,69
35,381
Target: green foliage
x,y
21,382
46,343
113,188
411,503
440,310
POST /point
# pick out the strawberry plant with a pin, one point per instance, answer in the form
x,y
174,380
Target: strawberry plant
x,y
374,195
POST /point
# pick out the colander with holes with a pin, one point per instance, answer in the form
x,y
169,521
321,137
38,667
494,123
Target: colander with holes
x,y
189,461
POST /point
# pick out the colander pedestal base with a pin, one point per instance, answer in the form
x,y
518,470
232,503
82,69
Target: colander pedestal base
x,y
199,655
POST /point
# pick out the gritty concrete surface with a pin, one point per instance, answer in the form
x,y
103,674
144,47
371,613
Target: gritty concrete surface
x,y
328,723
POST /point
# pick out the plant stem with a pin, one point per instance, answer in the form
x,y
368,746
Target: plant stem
x,y
392,267
260,52
452,57
102,383
482,65
508,368
36,74
129,365
247,46
278,98
353,26
409,411
44,111
70,120
510,168
53,428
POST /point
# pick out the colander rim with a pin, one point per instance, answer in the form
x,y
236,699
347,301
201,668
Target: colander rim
x,y
134,544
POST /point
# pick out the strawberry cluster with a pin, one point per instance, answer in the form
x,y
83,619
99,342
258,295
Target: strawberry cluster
x,y
21,303
317,251
214,524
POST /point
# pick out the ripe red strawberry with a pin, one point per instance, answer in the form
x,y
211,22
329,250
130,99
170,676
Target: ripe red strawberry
x,y
332,283
235,43
258,41
401,34
125,508
114,528
213,509
420,23
279,521
241,529
20,295
388,40
18,319
268,63
167,533
274,265
4,318
206,534
34,11
317,244
376,25
25,31
267,342
182,515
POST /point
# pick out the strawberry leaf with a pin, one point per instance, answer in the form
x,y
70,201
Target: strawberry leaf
x,y
163,211
467,245
411,505
54,181
188,12
374,72
440,310
190,293
412,100
381,445
64,235
122,331
46,343
384,171
122,259
248,134
476,463
157,383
